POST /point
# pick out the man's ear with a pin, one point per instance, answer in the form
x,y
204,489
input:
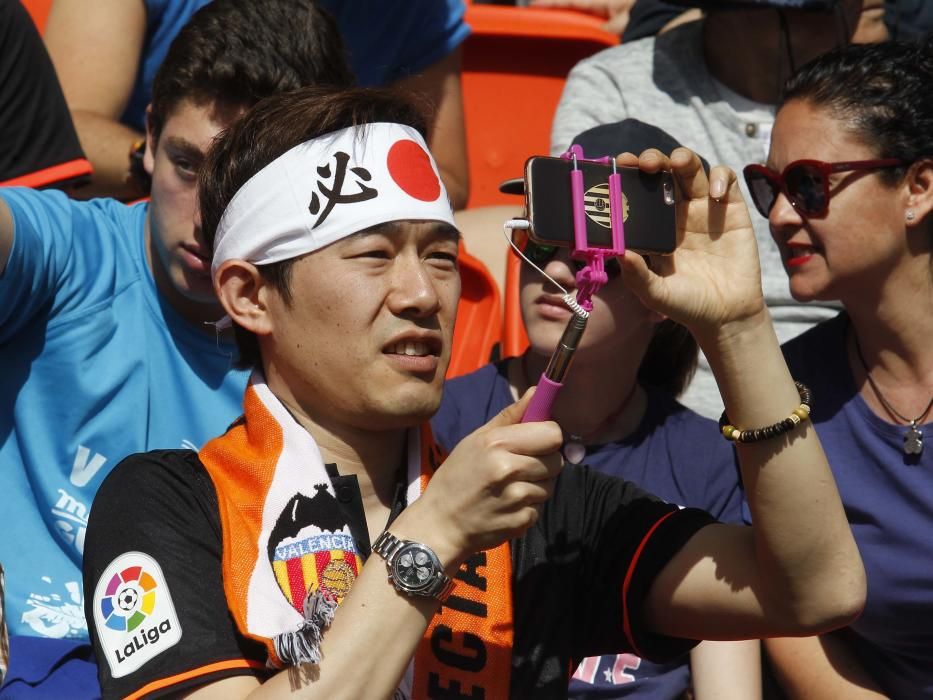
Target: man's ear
x,y
920,191
151,140
244,294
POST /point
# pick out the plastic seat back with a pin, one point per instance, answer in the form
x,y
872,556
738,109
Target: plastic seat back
x,y
39,11
515,64
514,338
479,318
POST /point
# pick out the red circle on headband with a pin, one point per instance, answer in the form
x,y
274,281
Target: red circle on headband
x,y
411,169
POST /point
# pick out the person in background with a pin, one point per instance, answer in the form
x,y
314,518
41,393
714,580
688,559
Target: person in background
x,y
848,191
103,307
4,633
620,416
107,52
38,143
713,85
908,20
614,12
650,17
345,308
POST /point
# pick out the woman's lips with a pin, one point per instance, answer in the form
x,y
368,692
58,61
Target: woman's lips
x,y
798,255
552,308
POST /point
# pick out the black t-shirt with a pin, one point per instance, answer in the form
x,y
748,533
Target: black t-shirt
x,y
595,550
36,132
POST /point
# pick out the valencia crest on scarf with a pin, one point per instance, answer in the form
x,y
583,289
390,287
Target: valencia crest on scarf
x,y
289,558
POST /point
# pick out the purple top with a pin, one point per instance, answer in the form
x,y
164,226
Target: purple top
x,y
888,497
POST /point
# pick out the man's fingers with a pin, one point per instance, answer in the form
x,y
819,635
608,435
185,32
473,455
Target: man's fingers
x,y
535,439
526,493
513,413
530,439
538,469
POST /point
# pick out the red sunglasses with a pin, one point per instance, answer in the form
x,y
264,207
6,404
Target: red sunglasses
x,y
805,183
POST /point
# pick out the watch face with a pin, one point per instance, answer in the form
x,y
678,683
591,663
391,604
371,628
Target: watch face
x,y
415,567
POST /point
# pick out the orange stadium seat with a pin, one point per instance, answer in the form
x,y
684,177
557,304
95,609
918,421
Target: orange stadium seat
x,y
515,64
39,11
514,338
62,176
478,329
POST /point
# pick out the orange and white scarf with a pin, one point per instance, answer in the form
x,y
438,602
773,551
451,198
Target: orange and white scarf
x,y
289,557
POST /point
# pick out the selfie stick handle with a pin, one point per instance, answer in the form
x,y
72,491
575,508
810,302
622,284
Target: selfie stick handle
x,y
551,381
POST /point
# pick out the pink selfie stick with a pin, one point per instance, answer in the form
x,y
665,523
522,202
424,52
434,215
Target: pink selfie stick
x,y
552,380
589,280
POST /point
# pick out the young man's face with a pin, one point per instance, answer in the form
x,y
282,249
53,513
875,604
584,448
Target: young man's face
x,y
179,257
366,339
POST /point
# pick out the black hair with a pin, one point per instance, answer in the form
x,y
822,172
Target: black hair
x,y
237,52
670,360
882,92
274,126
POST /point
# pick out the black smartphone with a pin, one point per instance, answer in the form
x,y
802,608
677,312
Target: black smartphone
x,y
648,201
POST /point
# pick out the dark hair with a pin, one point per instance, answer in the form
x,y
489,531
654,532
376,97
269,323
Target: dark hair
x,y
671,358
881,90
274,126
240,51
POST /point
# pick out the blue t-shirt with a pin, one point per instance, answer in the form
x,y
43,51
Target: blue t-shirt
x,y
96,366
888,499
386,39
674,453
164,19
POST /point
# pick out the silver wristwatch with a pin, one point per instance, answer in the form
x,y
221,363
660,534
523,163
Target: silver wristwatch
x,y
414,568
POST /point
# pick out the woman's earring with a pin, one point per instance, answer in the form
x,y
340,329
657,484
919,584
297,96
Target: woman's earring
x,y
910,215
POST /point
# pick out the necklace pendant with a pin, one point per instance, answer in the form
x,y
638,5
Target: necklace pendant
x,y
913,440
573,450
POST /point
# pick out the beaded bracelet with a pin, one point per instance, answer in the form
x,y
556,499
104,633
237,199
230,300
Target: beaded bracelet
x,y
797,416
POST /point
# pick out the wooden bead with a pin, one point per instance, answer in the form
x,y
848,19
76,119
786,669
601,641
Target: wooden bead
x,y
798,416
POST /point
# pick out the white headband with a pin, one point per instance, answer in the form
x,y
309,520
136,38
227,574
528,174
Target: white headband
x,y
329,188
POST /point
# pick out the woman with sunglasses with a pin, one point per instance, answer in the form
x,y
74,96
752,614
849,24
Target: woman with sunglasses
x,y
849,193
619,414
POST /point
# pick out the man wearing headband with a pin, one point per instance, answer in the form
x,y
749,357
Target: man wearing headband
x,y
325,532
103,307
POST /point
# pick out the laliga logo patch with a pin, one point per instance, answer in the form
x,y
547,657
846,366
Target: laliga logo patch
x,y
596,205
134,613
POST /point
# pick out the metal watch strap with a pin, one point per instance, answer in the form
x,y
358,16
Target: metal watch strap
x,y
387,546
